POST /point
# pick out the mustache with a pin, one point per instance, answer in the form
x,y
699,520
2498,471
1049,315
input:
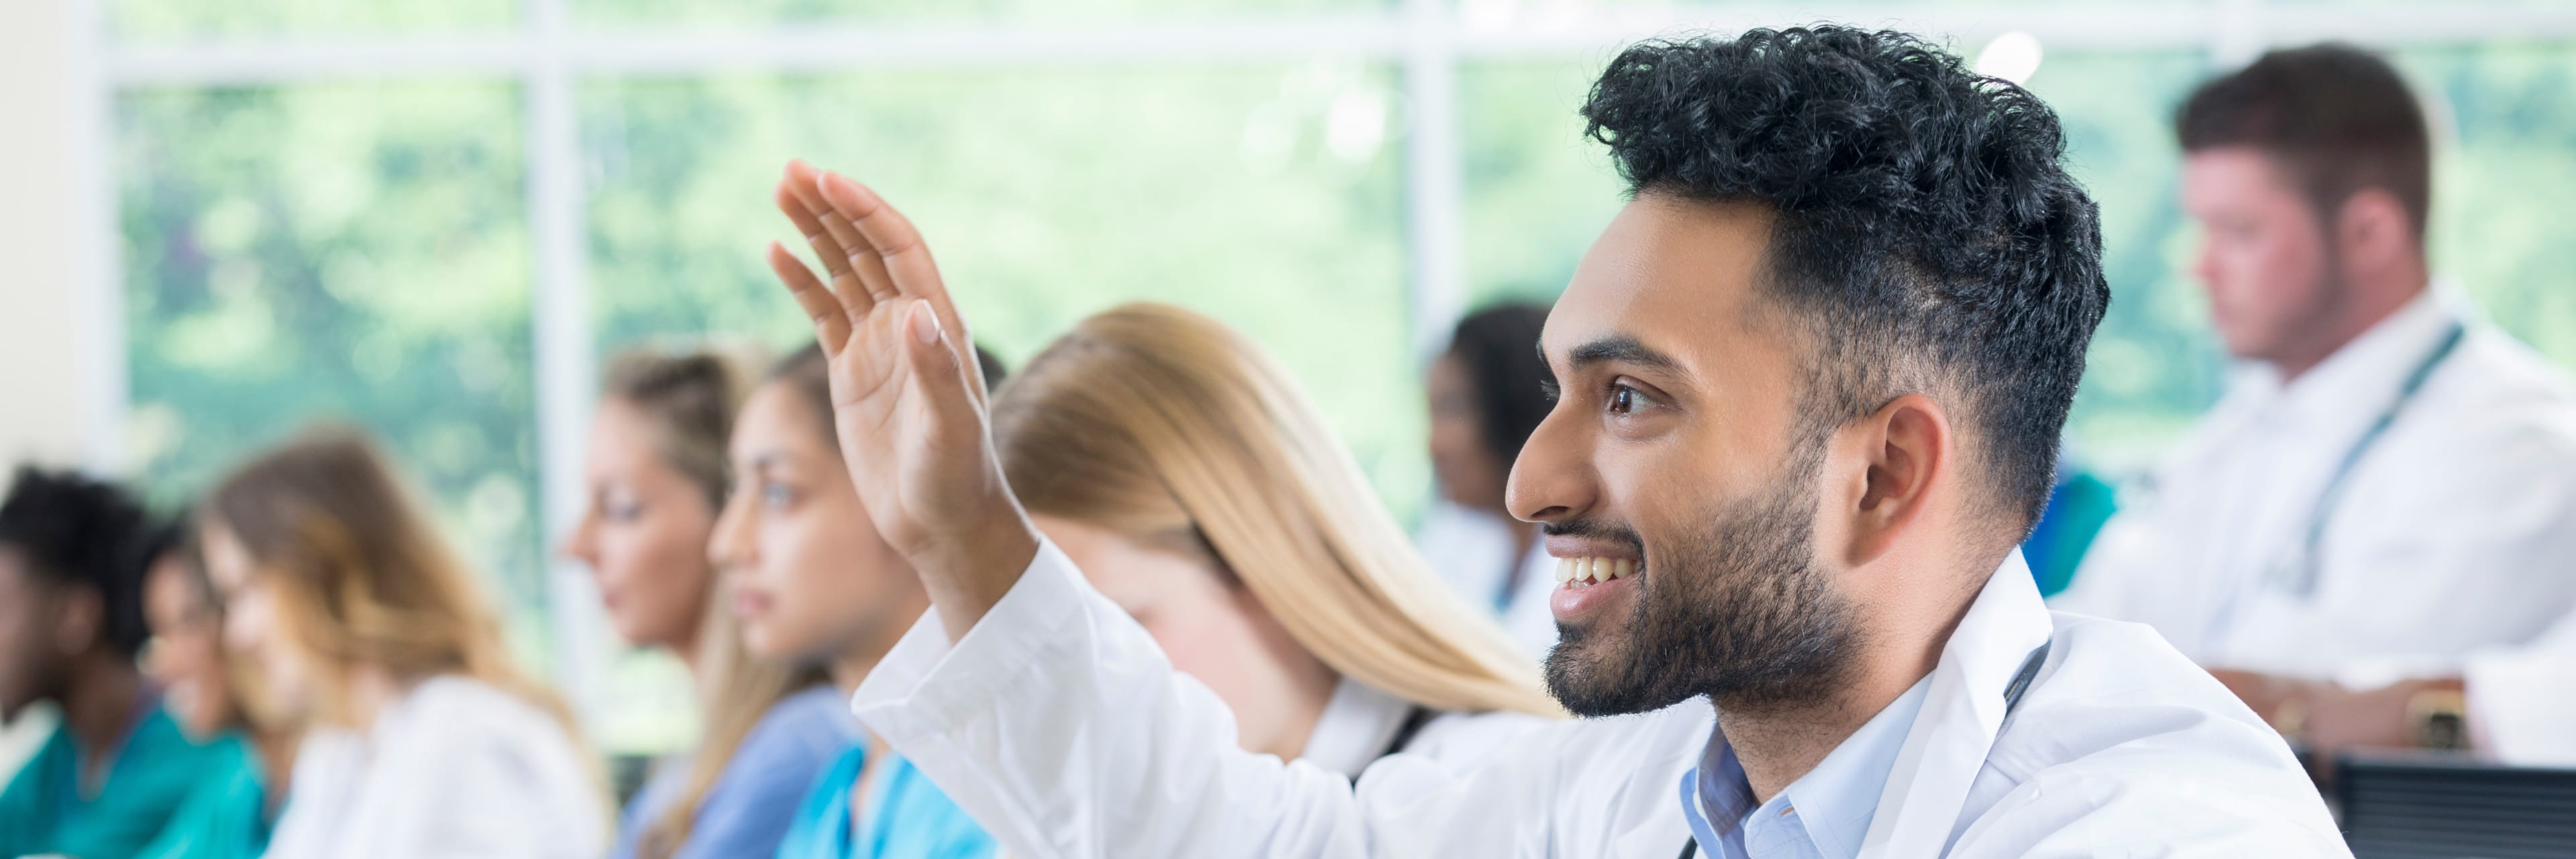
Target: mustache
x,y
1596,529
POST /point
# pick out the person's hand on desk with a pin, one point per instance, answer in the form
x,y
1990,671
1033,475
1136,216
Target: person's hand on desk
x,y
907,397
2330,718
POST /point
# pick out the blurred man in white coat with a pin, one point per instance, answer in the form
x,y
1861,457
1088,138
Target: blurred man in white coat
x,y
1811,383
2390,483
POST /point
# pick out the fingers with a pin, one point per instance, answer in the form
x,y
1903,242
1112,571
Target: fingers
x,y
840,241
843,288
831,320
933,358
905,258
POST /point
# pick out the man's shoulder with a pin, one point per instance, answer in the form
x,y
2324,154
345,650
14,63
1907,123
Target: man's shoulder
x,y
2112,692
2120,732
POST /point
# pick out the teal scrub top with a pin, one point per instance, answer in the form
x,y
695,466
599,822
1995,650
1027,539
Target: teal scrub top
x,y
228,816
45,810
911,819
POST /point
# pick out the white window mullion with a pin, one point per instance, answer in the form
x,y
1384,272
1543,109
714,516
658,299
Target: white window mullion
x,y
560,321
1432,187
107,387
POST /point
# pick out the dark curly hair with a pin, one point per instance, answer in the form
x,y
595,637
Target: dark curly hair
x,y
1498,346
78,532
1927,237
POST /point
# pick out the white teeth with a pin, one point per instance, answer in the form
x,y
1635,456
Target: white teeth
x,y
1584,572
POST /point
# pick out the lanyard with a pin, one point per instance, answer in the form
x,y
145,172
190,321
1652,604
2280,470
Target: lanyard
x,y
2013,693
2301,576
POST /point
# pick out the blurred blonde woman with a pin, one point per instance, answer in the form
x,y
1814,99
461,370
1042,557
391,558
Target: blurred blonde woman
x,y
424,739
1175,463
656,474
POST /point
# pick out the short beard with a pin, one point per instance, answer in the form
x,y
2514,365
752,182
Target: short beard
x,y
1739,613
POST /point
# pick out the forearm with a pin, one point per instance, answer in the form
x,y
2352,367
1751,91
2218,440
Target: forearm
x,y
968,575
1060,727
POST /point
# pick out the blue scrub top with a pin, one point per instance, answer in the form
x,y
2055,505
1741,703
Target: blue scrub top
x,y
46,809
910,819
748,810
227,815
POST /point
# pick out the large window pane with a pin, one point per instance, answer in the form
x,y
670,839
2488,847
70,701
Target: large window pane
x,y
352,252
168,20
1267,197
618,13
2505,182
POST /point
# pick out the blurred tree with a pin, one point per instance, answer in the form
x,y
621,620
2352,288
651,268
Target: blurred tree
x,y
1266,197
352,252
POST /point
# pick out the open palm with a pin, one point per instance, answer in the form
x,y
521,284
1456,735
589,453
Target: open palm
x,y
907,396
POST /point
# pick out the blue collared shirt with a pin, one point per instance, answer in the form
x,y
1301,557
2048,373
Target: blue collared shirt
x,y
1825,813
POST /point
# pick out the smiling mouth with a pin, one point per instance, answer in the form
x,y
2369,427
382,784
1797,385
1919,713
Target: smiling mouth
x,y
1586,572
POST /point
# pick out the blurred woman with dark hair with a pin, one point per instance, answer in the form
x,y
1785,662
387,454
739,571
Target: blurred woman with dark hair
x,y
214,695
656,472
117,767
814,586
1487,393
425,740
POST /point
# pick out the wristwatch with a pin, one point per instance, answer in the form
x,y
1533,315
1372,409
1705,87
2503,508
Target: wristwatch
x,y
2438,719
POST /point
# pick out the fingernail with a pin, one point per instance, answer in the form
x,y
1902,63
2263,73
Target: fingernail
x,y
925,324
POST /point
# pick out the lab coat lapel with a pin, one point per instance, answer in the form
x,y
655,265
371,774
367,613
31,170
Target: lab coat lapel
x,y
1962,711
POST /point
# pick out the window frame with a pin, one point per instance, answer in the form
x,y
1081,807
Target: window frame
x,y
1427,41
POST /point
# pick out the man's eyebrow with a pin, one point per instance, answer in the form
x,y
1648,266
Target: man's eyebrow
x,y
1622,349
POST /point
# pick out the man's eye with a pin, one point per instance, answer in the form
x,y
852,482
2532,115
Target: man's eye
x,y
1625,400
1551,390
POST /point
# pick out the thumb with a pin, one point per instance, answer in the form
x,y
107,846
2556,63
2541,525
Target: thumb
x,y
934,364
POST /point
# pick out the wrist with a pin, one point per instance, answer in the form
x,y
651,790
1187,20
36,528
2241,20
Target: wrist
x,y
972,573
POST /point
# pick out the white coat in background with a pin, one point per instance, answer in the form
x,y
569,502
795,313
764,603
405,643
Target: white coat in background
x,y
2453,533
1471,550
2522,700
453,768
1058,724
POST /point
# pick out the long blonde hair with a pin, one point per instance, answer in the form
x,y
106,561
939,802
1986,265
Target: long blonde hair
x,y
1166,427
361,577
689,399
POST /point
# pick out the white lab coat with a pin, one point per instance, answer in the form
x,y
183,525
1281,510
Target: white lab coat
x,y
2452,533
1060,727
454,768
2522,700
1471,550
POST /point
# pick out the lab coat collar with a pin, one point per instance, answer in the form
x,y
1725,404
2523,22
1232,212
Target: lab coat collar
x,y
1963,711
2353,384
1355,728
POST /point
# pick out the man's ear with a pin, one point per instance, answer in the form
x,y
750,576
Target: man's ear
x,y
79,618
2372,230
1904,450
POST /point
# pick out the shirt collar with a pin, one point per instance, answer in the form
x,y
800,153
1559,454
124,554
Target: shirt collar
x,y
1355,728
1829,808
2355,381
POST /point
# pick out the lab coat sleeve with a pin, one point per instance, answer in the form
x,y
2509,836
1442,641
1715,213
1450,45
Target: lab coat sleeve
x,y
2522,701
1058,724
2097,813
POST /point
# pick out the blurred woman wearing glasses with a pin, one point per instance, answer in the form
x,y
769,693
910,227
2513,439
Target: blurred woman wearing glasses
x,y
215,698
